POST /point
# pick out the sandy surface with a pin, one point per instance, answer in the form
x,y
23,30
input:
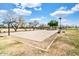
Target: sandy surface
x,y
11,46
38,35
38,39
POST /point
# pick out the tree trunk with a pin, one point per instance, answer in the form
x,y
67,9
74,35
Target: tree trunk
x,y
15,30
8,29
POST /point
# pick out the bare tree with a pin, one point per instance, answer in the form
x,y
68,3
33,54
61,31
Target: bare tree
x,y
34,23
21,21
30,24
9,18
15,25
42,26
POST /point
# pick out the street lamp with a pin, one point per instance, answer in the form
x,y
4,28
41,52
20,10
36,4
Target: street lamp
x,y
60,23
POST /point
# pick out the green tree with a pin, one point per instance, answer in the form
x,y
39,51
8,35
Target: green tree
x,y
53,24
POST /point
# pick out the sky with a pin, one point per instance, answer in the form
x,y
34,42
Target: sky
x,y
44,12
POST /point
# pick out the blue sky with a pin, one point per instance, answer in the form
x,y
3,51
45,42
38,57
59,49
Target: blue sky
x,y
45,12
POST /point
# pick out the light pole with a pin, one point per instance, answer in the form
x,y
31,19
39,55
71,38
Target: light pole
x,y
60,23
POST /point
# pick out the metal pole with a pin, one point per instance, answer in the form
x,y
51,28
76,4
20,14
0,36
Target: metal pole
x,y
60,22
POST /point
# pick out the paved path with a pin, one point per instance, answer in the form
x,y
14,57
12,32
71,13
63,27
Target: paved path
x,y
38,35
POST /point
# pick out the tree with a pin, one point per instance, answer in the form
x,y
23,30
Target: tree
x,y
15,25
41,26
33,24
1,26
30,24
53,23
9,18
21,21
44,26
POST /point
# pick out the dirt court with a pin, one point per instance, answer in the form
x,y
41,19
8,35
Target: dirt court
x,y
64,44
40,39
38,35
10,45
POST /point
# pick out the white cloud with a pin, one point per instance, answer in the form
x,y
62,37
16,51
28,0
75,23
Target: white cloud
x,y
3,12
64,20
42,17
61,12
22,11
62,8
18,5
32,5
29,5
35,6
38,9
38,18
76,8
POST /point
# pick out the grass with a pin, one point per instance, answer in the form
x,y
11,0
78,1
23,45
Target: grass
x,y
73,36
66,44
5,43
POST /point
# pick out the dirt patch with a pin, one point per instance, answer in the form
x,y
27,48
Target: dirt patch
x,y
44,44
61,47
